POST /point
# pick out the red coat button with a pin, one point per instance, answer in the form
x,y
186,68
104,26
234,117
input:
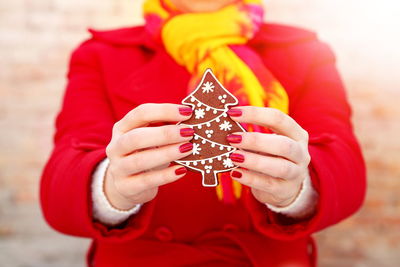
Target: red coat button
x,y
229,227
163,233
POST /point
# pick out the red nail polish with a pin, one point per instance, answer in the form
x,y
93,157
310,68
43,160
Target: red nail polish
x,y
186,147
186,132
236,174
234,138
185,111
237,157
180,171
234,112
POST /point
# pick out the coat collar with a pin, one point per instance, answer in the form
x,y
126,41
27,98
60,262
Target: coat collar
x,y
269,34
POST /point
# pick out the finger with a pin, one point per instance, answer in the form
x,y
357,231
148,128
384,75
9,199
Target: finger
x,y
272,118
278,145
146,137
152,179
149,159
265,188
269,165
144,114
256,180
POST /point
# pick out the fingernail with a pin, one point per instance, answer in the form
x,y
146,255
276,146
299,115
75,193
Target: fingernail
x,y
234,138
237,157
234,112
185,111
186,132
181,170
185,147
236,174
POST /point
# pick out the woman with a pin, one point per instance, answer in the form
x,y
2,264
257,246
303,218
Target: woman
x,y
109,177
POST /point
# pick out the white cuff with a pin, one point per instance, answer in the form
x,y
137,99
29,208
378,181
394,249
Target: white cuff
x,y
304,204
103,211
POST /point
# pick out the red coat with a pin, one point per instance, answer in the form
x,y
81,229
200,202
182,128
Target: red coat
x,y
185,224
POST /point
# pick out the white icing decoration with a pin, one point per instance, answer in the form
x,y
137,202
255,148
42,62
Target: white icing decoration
x,y
192,99
215,110
225,126
217,119
194,163
209,133
208,124
208,87
210,161
222,98
208,108
199,113
207,168
228,163
221,147
196,149
196,137
203,123
202,160
213,144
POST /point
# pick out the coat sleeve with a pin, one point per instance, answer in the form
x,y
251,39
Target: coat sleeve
x,y
337,166
83,130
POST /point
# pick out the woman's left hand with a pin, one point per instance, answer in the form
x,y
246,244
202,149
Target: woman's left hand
x,y
272,165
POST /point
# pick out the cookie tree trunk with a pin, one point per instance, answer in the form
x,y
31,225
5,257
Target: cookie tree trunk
x,y
210,102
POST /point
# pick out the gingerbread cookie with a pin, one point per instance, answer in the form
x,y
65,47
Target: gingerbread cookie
x,y
211,124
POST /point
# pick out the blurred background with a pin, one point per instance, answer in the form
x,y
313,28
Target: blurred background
x,y
36,38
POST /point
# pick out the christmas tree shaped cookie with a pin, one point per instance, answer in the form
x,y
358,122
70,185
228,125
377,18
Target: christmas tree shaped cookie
x,y
210,102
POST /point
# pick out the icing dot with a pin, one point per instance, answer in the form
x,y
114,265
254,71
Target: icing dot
x,y
207,171
217,119
210,161
196,137
221,147
215,111
208,124
219,158
208,108
224,115
194,163
199,126
203,141
199,104
212,144
203,161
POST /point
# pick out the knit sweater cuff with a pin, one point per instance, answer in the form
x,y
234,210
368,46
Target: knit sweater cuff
x,y
103,211
304,204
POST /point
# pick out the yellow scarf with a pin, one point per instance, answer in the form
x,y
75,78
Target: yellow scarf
x,y
217,40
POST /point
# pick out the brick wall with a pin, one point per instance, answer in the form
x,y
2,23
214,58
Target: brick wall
x,y
36,37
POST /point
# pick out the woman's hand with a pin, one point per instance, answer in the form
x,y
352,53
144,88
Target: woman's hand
x,y
139,155
276,164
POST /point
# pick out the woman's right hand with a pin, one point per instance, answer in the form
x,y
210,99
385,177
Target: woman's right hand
x,y
139,155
